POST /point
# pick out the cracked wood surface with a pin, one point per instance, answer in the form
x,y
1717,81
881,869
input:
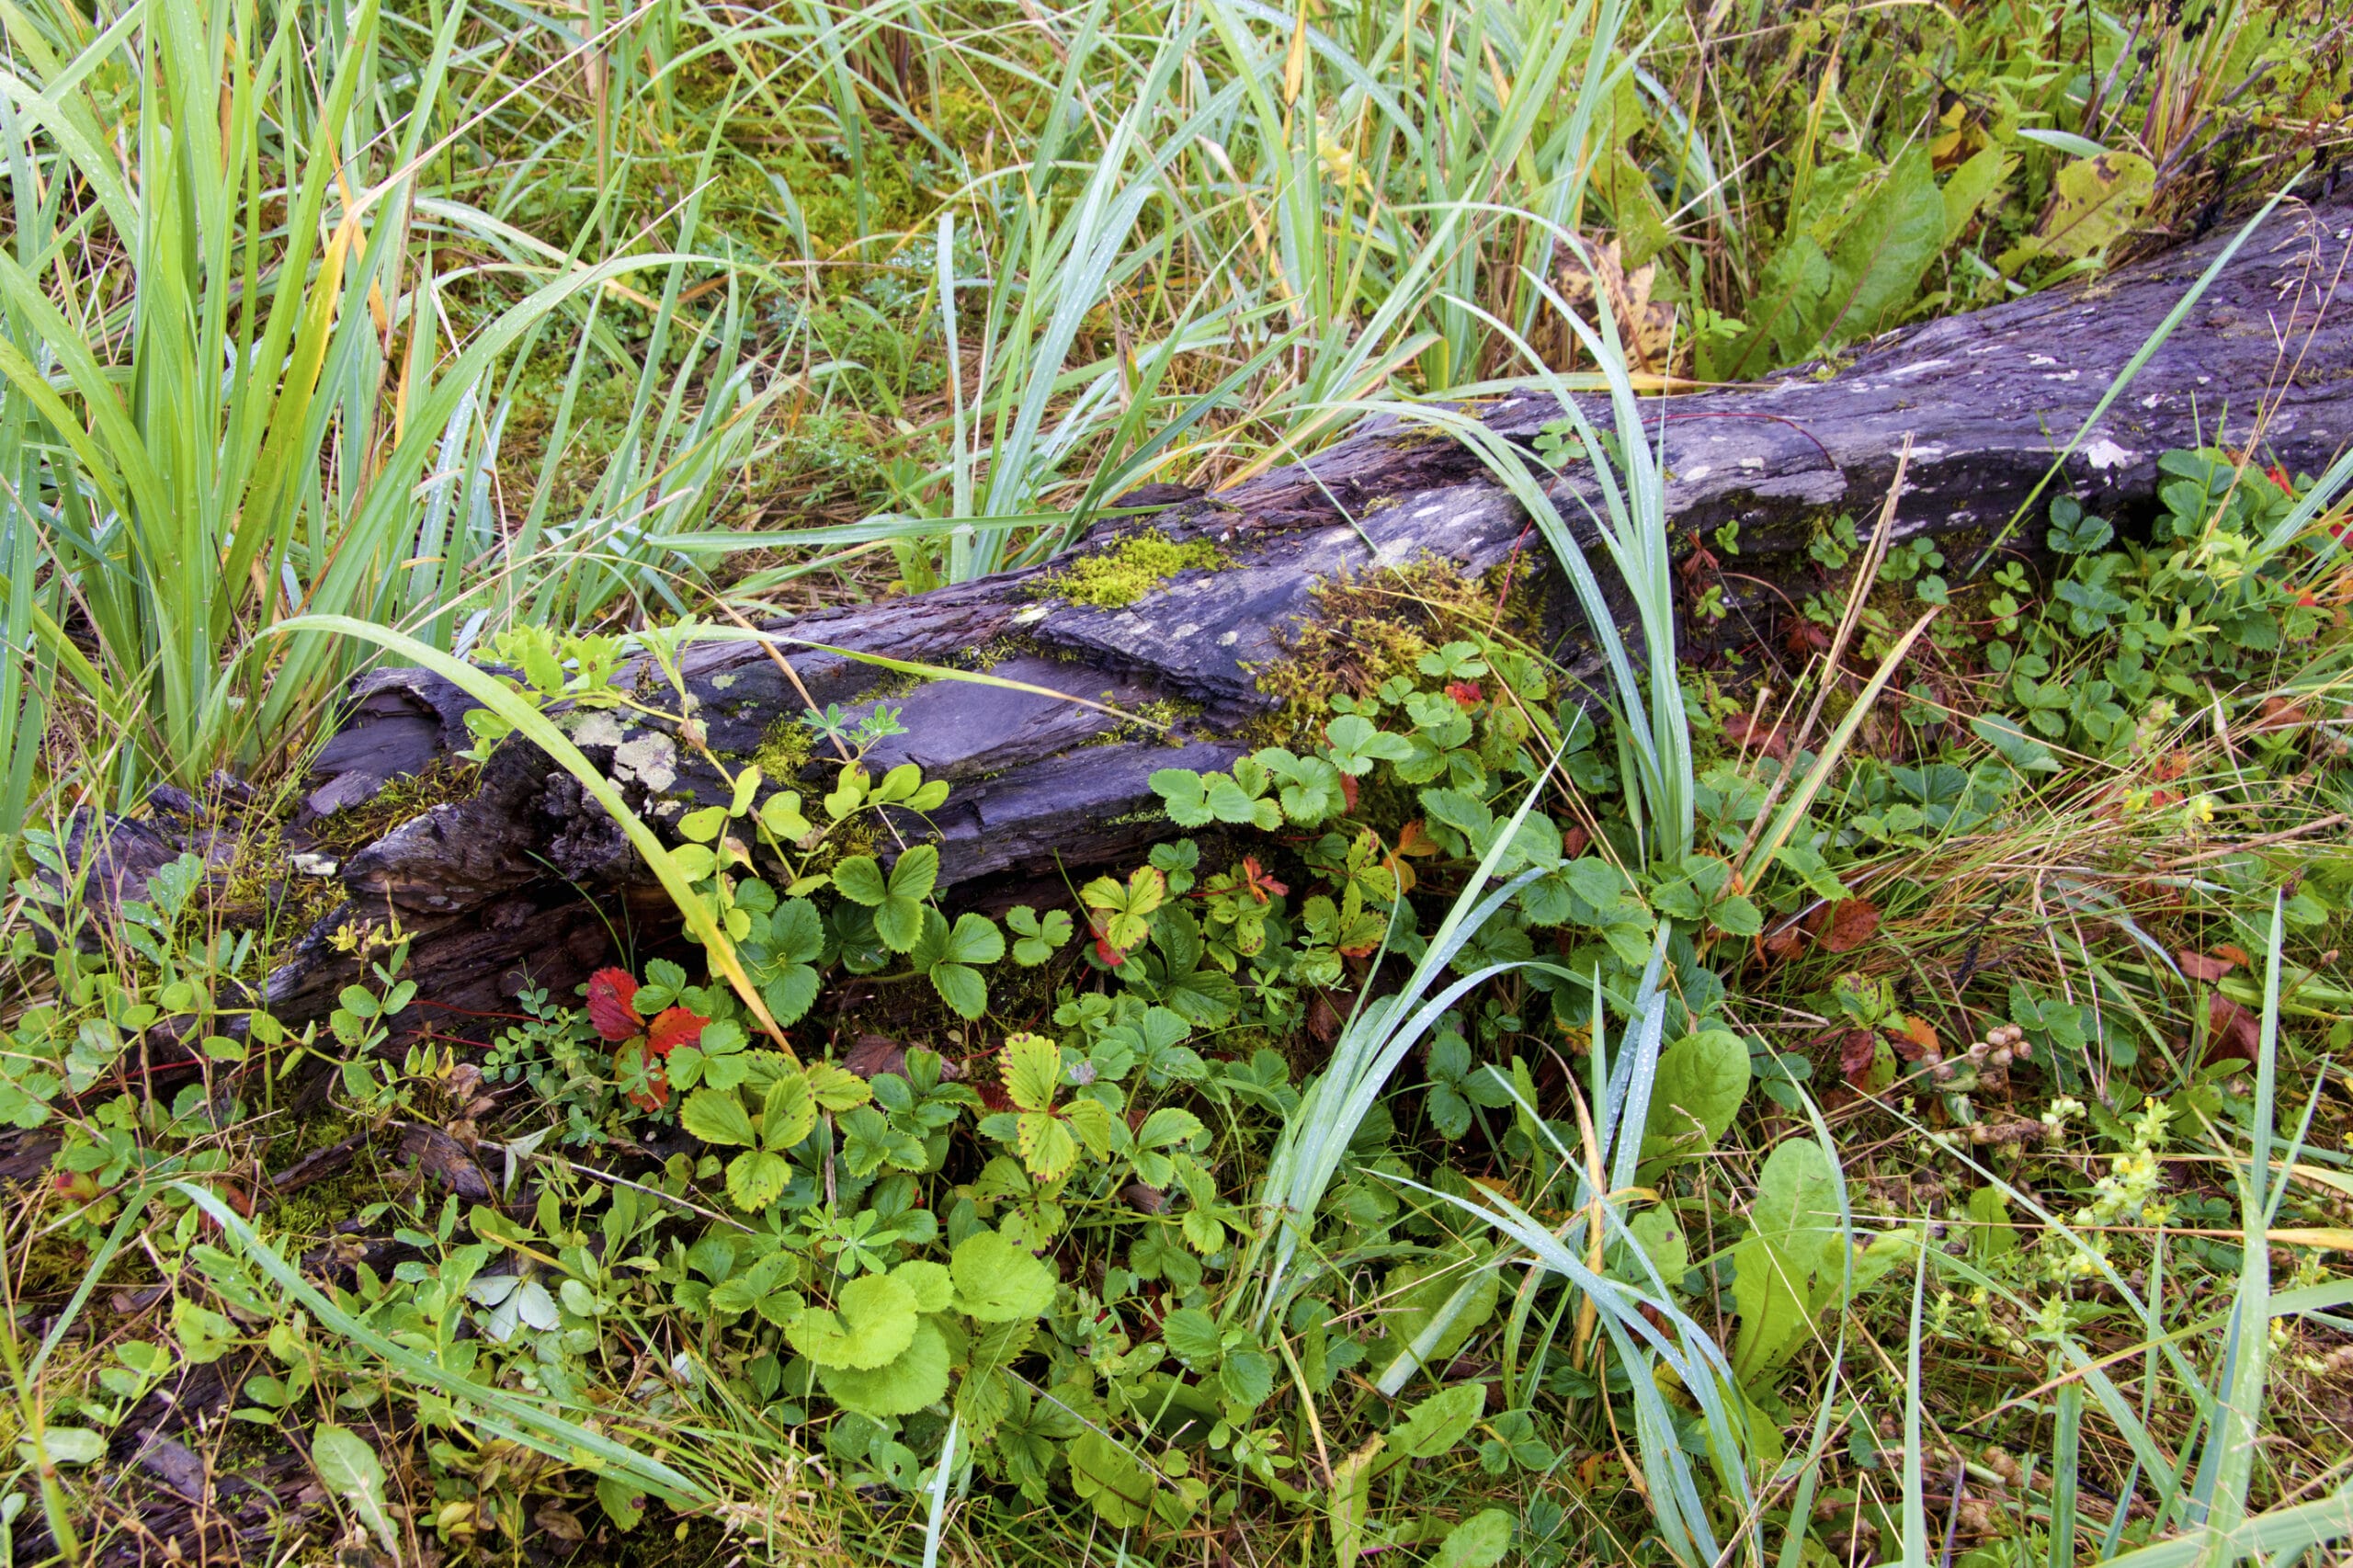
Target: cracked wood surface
x,y
526,879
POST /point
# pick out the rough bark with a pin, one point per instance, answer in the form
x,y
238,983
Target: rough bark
x,y
526,879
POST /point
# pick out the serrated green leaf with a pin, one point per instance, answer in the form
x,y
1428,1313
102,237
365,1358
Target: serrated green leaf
x,y
917,1378
858,878
873,1322
717,1117
1032,1069
1247,1376
999,1282
755,1179
1046,1145
788,1112
1192,1336
915,873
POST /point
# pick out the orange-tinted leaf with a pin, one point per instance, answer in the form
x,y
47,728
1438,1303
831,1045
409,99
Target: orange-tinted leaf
x,y
1415,839
2200,966
674,1028
2235,953
612,995
1915,1039
1465,693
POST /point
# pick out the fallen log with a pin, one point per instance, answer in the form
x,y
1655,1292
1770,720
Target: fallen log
x,y
525,879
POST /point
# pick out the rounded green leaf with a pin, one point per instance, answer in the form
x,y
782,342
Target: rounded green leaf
x,y
716,1115
999,1282
916,1377
858,878
874,1322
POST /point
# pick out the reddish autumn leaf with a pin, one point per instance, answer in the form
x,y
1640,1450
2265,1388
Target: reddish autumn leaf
x,y
1858,1050
2233,1032
2235,953
1348,790
2281,713
1573,838
1323,1019
641,1077
1466,693
1262,885
1786,943
1754,735
2200,966
1804,637
2279,476
612,995
1844,924
2170,766
1914,1040
1415,839
676,1027
654,1095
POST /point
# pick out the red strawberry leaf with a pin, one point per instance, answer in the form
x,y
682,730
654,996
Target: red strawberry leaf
x,y
612,995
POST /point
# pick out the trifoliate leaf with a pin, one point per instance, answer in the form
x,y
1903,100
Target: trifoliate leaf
x,y
917,1378
873,1322
999,1282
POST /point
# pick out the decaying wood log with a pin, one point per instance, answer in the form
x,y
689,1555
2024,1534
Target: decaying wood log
x,y
527,879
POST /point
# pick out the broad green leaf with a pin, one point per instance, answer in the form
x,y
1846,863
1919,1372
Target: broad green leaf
x,y
716,1115
1034,1070
1791,1266
1479,1542
874,1322
756,1178
962,987
1780,315
1970,186
917,1377
1435,1424
1883,253
999,1282
64,1446
1110,1477
2094,202
349,1468
1192,1336
974,941
1702,1078
931,1283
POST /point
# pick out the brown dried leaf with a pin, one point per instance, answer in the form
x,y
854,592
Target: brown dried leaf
x,y
1858,1049
1844,925
2199,966
2233,1032
1755,734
